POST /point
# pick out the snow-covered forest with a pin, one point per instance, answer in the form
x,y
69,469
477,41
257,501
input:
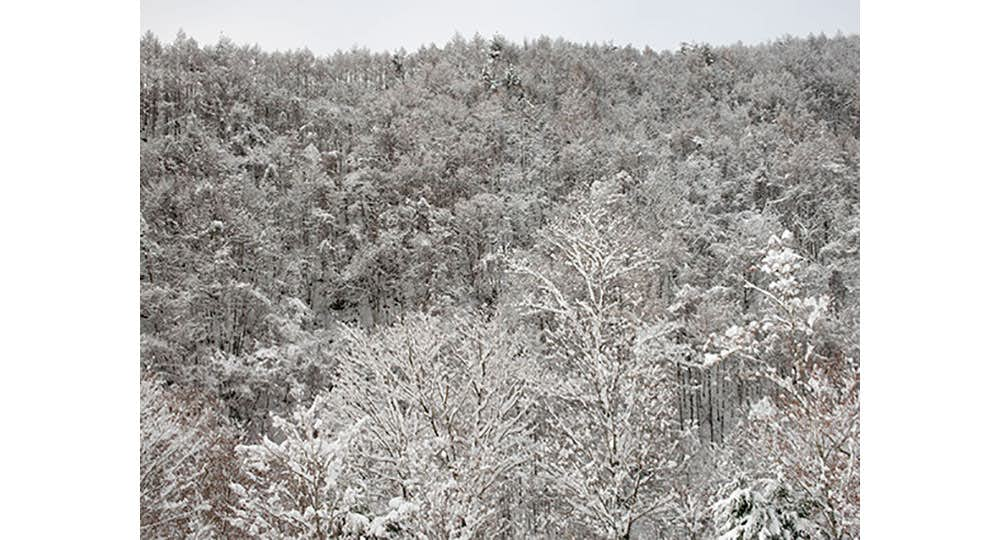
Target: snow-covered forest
x,y
498,289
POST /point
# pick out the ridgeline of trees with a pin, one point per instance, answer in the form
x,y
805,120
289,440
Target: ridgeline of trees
x,y
500,290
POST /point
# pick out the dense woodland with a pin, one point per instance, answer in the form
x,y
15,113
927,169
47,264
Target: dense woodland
x,y
500,290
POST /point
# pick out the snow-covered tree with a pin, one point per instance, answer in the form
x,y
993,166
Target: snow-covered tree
x,y
181,439
807,428
445,420
811,437
300,487
762,510
610,419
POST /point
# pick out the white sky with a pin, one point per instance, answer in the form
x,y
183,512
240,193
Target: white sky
x,y
325,26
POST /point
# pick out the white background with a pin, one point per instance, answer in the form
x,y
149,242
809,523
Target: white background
x,y
69,284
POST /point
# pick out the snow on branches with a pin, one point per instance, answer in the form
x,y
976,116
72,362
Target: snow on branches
x,y
608,430
806,430
182,442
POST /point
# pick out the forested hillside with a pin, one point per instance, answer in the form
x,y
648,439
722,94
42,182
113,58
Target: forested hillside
x,y
500,290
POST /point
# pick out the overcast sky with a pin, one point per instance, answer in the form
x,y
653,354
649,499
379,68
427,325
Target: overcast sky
x,y
324,26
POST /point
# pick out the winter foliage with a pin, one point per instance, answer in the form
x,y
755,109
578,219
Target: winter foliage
x,y
500,290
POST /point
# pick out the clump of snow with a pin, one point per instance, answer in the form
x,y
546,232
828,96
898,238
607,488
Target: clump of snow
x,y
356,524
763,409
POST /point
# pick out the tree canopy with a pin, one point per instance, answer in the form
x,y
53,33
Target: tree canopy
x,y
492,289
